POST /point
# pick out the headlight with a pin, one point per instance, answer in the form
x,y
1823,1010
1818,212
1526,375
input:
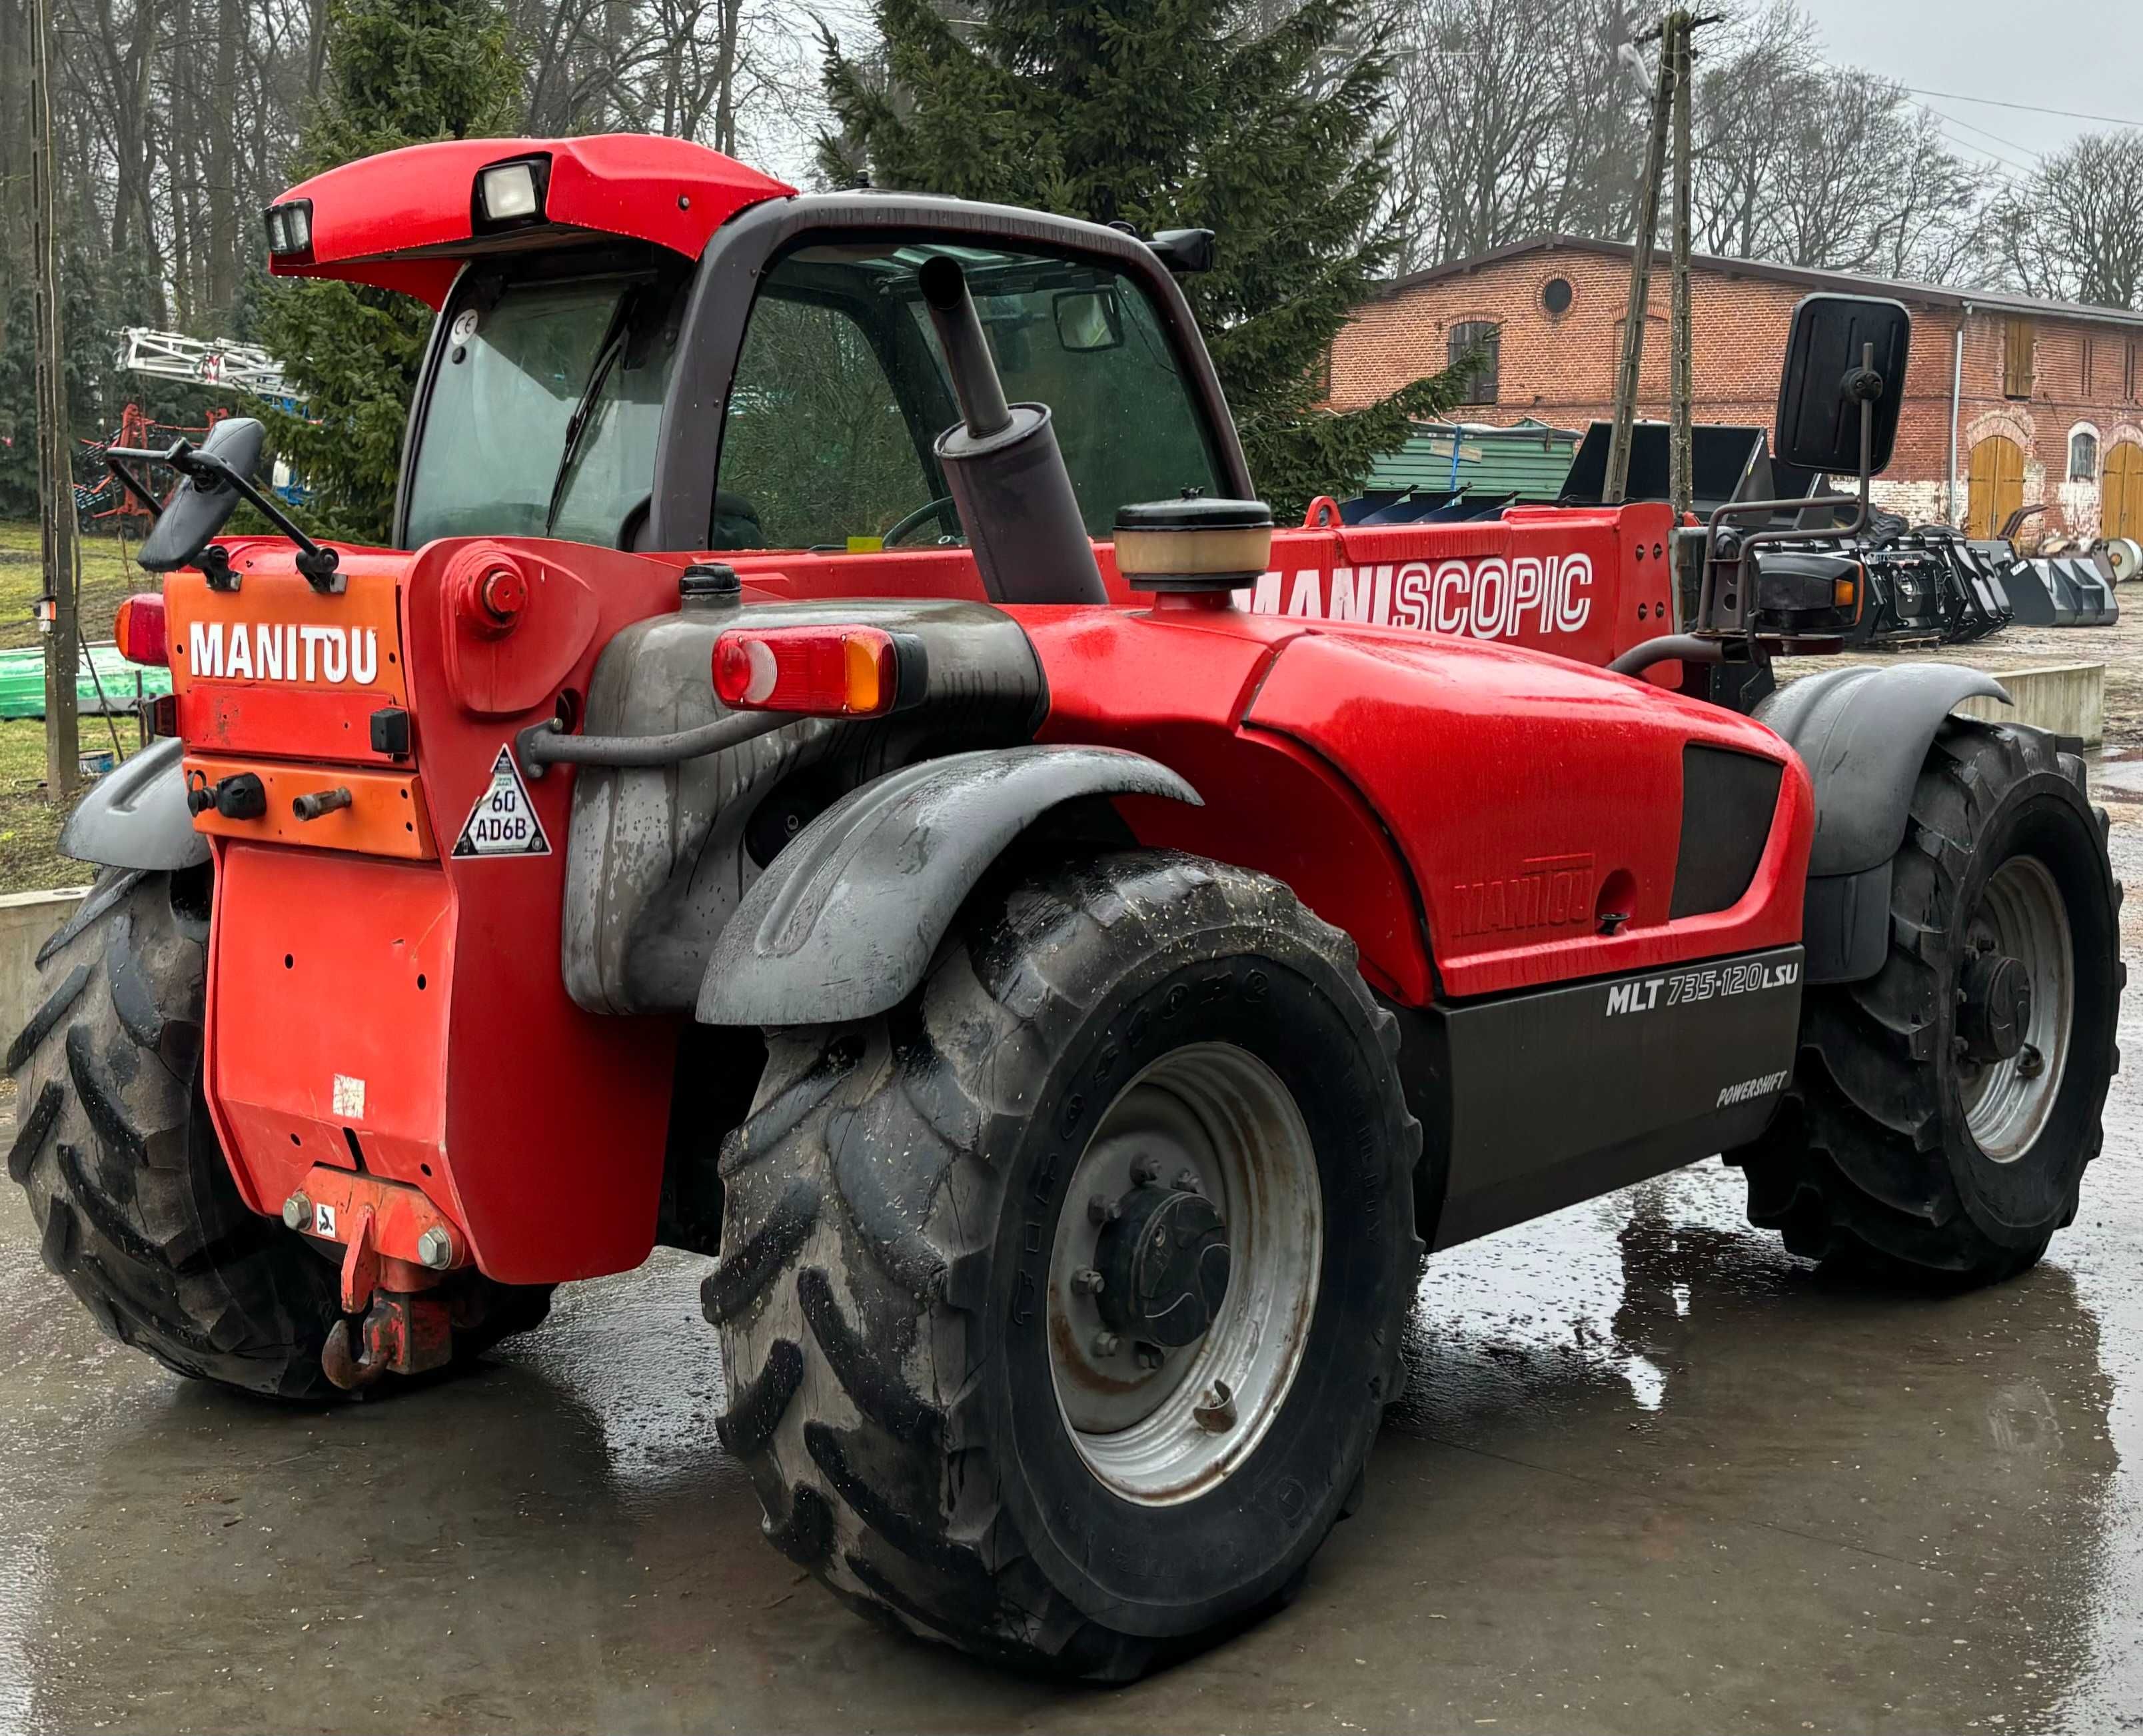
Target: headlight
x,y
508,192
290,227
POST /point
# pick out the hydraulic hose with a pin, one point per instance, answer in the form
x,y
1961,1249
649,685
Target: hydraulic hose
x,y
1667,647
544,744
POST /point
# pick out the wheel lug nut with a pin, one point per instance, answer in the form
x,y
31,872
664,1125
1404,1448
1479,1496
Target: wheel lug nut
x,y
1086,1281
1149,1357
297,1212
1144,1171
1107,1343
1102,1209
1186,1178
2030,1063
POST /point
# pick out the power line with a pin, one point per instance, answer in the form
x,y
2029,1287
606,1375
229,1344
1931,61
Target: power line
x,y
2029,108
2035,156
2002,164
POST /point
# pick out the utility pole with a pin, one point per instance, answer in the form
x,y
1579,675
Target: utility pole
x,y
1640,271
1681,484
55,445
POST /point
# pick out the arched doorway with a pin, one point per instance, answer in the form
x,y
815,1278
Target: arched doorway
x,y
1997,484
2121,503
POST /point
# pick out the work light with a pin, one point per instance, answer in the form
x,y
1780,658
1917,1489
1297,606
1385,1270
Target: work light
x,y
508,192
290,227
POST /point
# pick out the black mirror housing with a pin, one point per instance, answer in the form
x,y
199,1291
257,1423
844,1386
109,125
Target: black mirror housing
x,y
1822,384
201,504
1183,249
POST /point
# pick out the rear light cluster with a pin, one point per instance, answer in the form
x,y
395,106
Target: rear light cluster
x,y
829,672
138,629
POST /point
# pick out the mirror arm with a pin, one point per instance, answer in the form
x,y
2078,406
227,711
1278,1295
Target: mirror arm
x,y
1815,533
129,481
319,564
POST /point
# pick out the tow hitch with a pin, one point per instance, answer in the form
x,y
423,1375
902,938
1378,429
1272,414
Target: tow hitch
x,y
394,1321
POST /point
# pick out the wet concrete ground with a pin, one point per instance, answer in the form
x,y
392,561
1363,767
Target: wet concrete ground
x,y
1651,1475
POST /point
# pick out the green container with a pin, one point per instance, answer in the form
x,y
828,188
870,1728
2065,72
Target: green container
x,y
104,681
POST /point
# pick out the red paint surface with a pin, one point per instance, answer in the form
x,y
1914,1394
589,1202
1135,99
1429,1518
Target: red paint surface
x,y
1375,768
542,1125
668,191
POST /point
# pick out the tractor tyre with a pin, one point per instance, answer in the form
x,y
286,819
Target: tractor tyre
x,y
136,1206
1942,1111
1060,1304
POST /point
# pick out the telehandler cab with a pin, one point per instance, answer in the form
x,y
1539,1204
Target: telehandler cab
x,y
838,772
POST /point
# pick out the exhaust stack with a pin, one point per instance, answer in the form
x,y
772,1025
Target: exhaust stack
x,y
1003,466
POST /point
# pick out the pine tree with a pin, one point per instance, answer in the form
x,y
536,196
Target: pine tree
x,y
1180,114
398,72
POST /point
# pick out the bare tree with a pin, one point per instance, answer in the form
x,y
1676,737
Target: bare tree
x,y
2075,229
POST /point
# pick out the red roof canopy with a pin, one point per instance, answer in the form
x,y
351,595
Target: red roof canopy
x,y
369,216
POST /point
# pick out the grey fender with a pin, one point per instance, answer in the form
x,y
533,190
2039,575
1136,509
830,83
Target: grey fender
x,y
1863,734
136,816
843,923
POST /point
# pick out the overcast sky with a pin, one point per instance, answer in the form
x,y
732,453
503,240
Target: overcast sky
x,y
2083,55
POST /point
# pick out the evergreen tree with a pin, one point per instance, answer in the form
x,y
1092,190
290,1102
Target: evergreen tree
x,y
398,72
1180,114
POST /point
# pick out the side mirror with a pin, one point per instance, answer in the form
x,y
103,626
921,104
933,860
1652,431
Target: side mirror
x,y
1842,353
1088,319
1183,249
205,497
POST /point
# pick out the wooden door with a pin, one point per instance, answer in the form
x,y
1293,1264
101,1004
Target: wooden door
x,y
2121,511
1997,484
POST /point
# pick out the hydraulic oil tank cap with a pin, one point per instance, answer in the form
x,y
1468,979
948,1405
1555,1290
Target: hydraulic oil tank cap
x,y
709,585
1193,543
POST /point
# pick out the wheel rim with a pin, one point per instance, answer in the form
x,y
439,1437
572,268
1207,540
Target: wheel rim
x,y
1217,1115
2020,917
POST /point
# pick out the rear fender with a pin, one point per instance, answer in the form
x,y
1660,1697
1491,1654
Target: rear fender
x,y
1864,735
843,923
136,817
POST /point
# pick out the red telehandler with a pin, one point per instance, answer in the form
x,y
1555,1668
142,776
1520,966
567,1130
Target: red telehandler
x,y
838,772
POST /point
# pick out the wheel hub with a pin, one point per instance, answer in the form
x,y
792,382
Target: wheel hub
x,y
1996,1009
1164,1261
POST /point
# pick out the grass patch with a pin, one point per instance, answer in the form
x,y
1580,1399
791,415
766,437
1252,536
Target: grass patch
x,y
109,576
30,820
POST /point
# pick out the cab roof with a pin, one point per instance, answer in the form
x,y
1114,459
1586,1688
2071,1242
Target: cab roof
x,y
407,220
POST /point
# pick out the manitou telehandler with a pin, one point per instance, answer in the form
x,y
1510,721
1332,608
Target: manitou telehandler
x,y
838,772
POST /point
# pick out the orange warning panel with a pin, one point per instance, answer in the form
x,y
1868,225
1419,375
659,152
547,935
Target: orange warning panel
x,y
384,815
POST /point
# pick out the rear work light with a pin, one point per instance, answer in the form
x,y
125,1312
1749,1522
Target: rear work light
x,y
512,193
290,227
829,672
139,630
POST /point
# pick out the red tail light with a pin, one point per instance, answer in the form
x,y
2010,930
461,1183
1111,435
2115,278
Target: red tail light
x,y
829,672
139,628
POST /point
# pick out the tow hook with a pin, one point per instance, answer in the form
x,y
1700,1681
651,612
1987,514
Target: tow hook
x,y
403,1332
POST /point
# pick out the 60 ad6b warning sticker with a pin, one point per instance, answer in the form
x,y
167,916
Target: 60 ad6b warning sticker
x,y
503,822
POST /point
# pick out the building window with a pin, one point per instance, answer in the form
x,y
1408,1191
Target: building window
x,y
2090,362
2083,456
1476,345
1556,296
2016,360
2135,365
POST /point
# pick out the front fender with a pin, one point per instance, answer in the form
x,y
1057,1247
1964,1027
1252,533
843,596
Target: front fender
x,y
1864,735
843,923
136,817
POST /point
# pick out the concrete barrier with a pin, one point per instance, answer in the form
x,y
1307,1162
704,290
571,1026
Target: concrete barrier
x,y
26,919
2065,698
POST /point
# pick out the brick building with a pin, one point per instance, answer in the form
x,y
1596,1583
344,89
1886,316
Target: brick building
x,y
2045,398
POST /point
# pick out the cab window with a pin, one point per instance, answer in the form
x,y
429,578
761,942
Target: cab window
x,y
840,393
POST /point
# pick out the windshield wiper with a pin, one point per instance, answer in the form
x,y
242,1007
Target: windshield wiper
x,y
576,425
